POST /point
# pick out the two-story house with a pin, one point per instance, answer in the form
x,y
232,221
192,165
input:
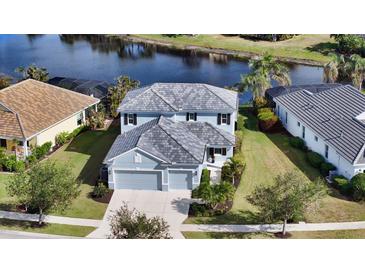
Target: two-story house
x,y
330,118
169,133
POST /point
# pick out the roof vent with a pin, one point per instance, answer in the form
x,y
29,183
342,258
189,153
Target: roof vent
x,y
361,118
308,92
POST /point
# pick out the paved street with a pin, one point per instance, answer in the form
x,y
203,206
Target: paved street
x,y
10,234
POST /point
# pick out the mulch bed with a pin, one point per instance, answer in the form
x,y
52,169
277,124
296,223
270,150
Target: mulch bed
x,y
106,199
281,236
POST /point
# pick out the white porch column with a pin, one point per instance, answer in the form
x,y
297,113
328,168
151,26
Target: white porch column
x,y
83,117
96,107
25,148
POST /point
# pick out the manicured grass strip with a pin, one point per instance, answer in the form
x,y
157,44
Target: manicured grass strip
x,y
313,47
330,234
57,229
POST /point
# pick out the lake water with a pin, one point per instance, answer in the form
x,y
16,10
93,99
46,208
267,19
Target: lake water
x,y
99,58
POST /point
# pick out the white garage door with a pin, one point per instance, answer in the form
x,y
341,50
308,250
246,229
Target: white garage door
x,y
142,180
180,179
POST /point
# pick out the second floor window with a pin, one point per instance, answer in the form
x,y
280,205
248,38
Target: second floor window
x,y
130,119
224,118
191,116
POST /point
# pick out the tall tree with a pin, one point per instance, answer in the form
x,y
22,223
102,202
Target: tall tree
x,y
331,70
290,196
34,72
132,224
46,186
356,69
5,81
263,70
118,92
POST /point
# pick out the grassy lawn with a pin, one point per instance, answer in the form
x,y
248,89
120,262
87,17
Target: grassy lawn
x,y
57,229
313,47
330,234
268,155
85,154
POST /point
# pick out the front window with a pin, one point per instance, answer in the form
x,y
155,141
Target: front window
x,y
298,124
316,138
79,118
130,118
303,132
218,151
326,151
286,117
2,142
224,118
191,116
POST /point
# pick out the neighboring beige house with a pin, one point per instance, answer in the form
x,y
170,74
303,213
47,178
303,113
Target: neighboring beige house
x,y
33,113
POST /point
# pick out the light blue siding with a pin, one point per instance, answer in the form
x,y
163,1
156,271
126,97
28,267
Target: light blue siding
x,y
181,116
150,180
127,160
180,179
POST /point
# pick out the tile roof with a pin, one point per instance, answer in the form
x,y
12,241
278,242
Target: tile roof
x,y
332,115
176,97
38,106
173,142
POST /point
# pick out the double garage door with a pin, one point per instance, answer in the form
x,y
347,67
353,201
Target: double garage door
x,y
142,180
152,180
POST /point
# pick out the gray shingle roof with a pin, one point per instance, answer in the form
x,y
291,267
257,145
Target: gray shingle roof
x,y
172,142
281,90
331,114
176,97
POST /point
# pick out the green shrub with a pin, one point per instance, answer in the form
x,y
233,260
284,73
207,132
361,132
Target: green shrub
x,y
342,184
200,210
265,116
100,190
41,151
358,187
297,143
78,130
315,159
205,175
19,166
62,138
31,159
259,102
9,163
262,110
240,122
226,173
326,168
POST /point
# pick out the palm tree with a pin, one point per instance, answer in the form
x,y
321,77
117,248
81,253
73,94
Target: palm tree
x,y
356,69
34,72
332,69
263,70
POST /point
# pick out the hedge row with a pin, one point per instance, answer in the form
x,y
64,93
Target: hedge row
x,y
64,136
355,188
314,159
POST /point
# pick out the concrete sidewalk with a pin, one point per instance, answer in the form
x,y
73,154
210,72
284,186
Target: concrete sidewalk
x,y
49,219
273,227
12,234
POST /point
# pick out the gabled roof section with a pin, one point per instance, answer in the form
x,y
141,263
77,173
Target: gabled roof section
x,y
10,125
210,134
172,142
39,106
331,114
178,97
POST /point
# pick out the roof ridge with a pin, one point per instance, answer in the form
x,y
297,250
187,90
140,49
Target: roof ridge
x,y
163,98
176,140
206,86
219,131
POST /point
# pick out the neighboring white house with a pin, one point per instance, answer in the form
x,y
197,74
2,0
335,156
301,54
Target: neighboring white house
x,y
169,133
33,113
330,118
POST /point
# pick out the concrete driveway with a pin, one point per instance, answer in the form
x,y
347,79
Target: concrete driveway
x,y
173,206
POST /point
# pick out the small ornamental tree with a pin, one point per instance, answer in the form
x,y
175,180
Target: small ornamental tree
x,y
290,196
46,186
34,72
132,224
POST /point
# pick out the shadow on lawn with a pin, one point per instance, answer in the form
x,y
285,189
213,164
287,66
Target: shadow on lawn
x,y
238,217
324,48
96,144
